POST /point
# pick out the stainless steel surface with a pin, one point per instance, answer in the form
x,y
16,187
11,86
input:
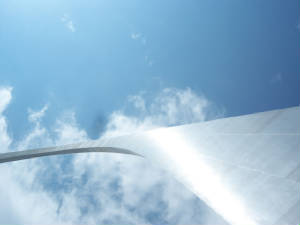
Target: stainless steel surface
x,y
246,168
60,150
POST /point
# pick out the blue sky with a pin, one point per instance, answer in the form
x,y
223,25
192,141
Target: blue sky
x,y
230,51
95,66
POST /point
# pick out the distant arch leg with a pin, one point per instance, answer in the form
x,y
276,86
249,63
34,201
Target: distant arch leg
x,y
40,152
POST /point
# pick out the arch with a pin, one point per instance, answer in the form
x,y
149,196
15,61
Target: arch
x,y
62,150
245,168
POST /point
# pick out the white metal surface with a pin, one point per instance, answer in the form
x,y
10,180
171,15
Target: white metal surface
x,y
246,168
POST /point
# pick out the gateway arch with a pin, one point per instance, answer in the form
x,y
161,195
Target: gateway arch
x,y
246,168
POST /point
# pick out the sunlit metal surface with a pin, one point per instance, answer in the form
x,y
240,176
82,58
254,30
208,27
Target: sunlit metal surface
x,y
246,168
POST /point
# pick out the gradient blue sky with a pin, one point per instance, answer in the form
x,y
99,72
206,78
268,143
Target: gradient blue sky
x,y
243,56
88,57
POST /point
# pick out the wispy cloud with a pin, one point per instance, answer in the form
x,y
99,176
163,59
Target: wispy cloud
x,y
276,78
169,107
5,98
99,188
149,61
135,36
144,40
68,22
36,116
138,37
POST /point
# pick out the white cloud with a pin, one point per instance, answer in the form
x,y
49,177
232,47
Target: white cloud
x,y
138,102
170,107
100,188
68,22
67,130
36,116
5,98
